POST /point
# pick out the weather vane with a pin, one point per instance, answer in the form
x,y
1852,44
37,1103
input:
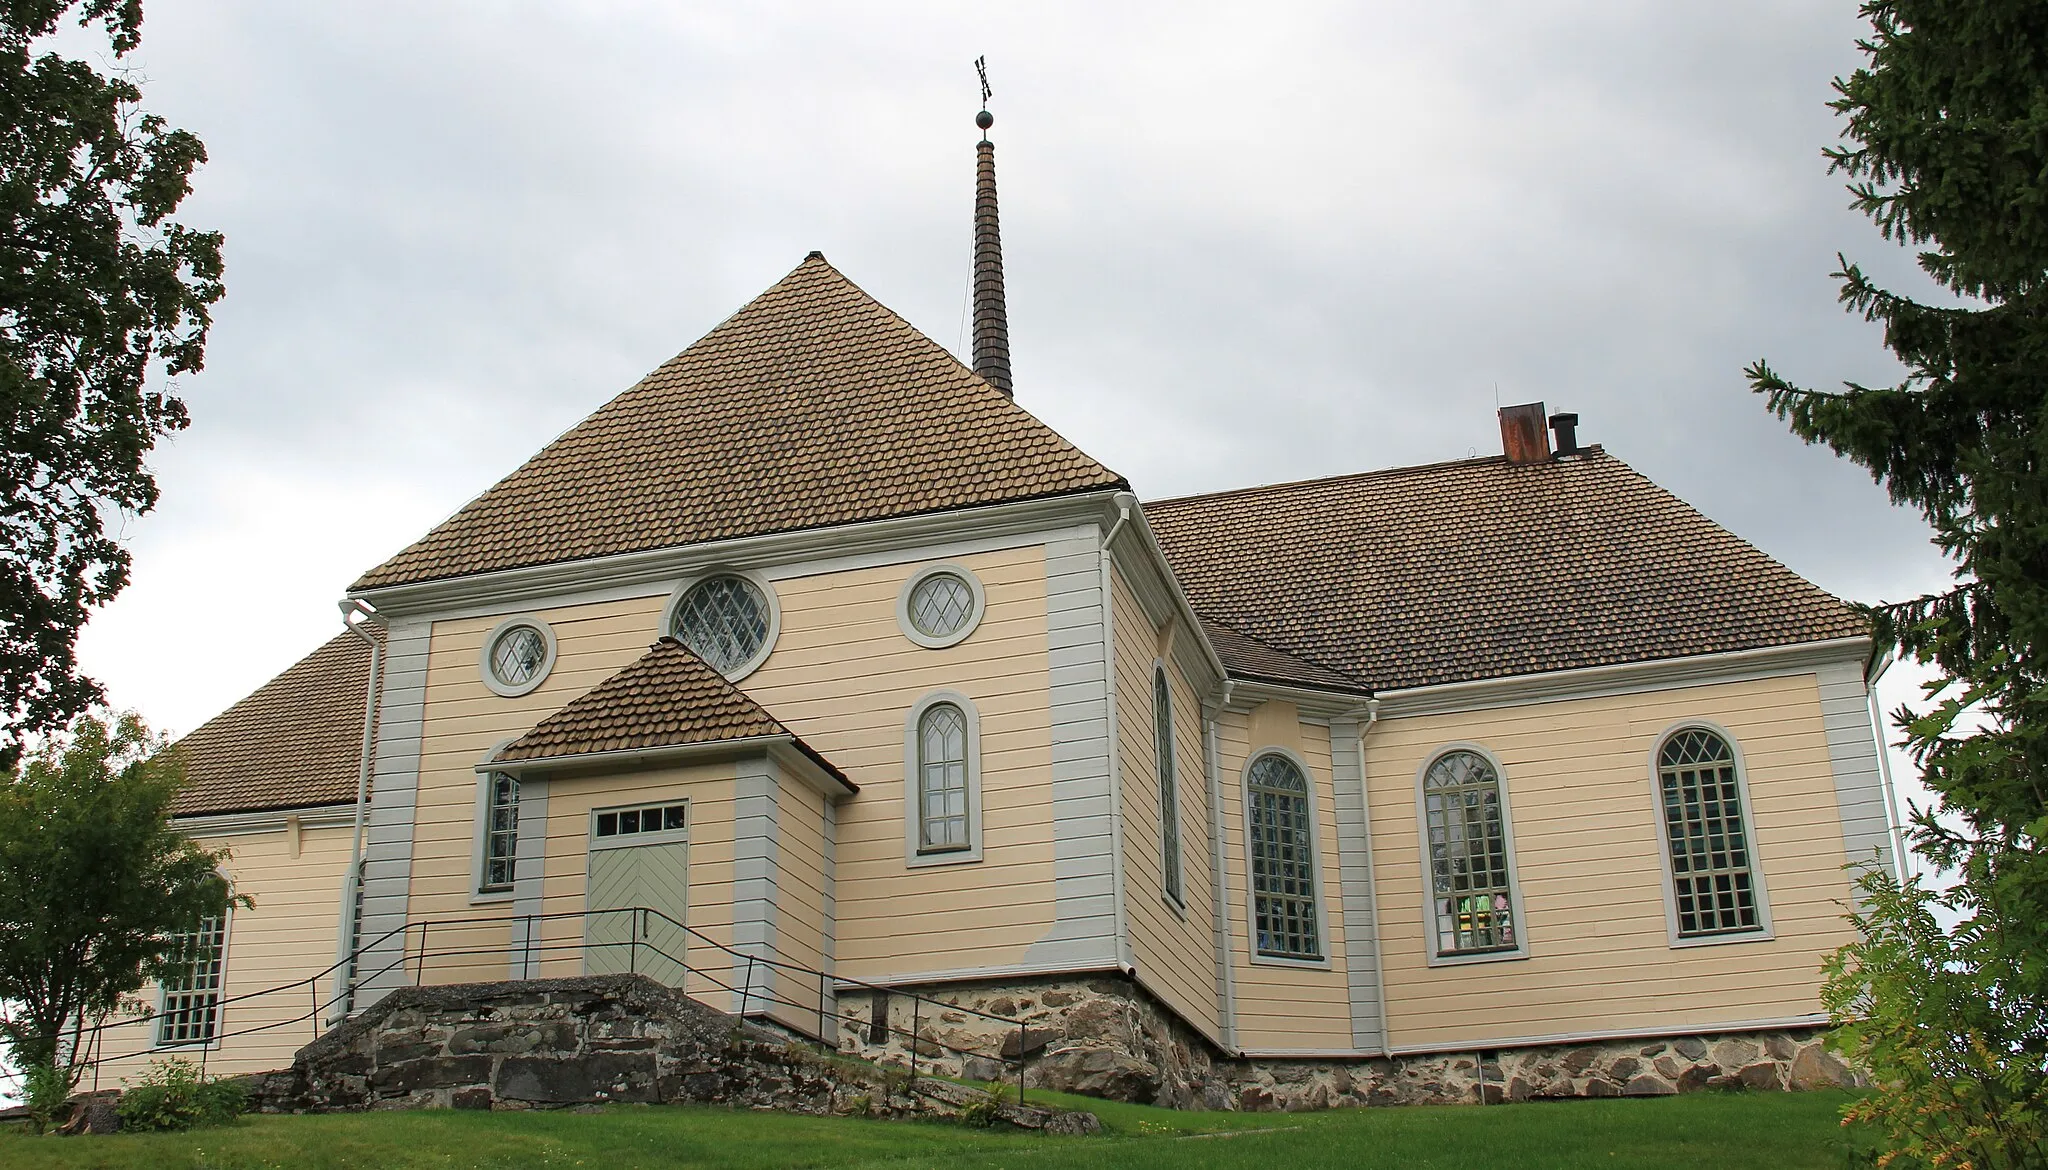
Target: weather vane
x,y
981,67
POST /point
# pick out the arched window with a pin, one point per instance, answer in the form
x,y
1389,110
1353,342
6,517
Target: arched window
x,y
1169,799
1282,851
942,779
501,831
1713,884
192,981
1471,874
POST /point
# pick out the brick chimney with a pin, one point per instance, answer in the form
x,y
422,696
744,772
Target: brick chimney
x,y
1524,435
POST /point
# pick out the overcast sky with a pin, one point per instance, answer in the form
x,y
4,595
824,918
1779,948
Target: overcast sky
x,y
1246,243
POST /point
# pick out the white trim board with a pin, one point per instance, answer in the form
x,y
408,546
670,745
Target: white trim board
x,y
655,571
315,816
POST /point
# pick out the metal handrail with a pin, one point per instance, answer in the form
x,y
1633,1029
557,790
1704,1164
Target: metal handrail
x,y
405,956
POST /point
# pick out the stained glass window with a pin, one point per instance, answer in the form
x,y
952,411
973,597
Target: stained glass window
x,y
1283,860
501,831
724,621
942,779
517,655
1169,799
941,604
1713,885
1470,872
191,1009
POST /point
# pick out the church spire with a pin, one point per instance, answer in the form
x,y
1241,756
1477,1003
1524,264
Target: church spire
x,y
991,317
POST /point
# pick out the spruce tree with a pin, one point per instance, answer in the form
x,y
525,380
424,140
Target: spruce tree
x,y
1946,150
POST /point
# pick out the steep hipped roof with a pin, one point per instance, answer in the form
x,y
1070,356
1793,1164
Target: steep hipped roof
x,y
1483,569
296,741
811,406
669,697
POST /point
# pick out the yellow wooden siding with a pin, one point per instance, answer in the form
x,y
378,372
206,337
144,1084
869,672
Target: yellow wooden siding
x,y
463,722
709,789
1283,1006
288,936
844,677
1592,874
1174,947
799,900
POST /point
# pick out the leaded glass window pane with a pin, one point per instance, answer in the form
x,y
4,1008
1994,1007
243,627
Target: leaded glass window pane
x,y
191,1011
1169,799
942,779
940,605
1471,880
1712,883
724,621
501,831
1283,860
517,655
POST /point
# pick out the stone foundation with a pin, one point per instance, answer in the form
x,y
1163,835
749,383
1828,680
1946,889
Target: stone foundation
x,y
552,1043
1106,1037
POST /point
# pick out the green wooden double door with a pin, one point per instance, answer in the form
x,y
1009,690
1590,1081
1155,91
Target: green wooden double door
x,y
638,896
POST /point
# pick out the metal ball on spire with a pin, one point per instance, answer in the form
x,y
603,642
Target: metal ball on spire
x,y
984,119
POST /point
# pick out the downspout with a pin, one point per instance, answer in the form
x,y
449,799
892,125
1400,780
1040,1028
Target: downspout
x,y
1372,880
1124,501
351,893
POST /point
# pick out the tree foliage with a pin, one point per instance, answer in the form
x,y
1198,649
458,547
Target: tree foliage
x,y
102,296
94,880
1946,150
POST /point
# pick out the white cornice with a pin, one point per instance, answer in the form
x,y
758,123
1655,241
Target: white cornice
x,y
1242,694
1623,678
782,749
326,816
656,566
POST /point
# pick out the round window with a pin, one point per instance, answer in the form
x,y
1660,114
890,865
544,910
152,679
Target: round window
x,y
940,605
724,620
517,656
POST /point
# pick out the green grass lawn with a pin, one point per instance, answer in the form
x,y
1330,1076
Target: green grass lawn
x,y
1778,1131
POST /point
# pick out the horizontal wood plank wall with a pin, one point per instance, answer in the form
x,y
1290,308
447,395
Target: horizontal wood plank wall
x,y
800,900
1587,856
1283,1007
464,722
288,935
709,789
844,677
1173,946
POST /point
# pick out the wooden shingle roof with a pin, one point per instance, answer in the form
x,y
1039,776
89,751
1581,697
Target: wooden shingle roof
x,y
295,742
1482,569
668,697
812,406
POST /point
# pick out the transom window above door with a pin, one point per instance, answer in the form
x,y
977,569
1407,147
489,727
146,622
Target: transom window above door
x,y
639,822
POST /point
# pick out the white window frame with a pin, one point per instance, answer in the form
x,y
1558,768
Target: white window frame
x,y
1427,862
1172,878
966,629
220,1014
912,835
1765,931
1315,875
480,846
767,588
510,690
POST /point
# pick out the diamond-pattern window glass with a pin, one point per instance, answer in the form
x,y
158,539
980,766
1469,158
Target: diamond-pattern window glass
x,y
1470,873
1712,881
517,655
1169,799
192,985
942,779
724,621
941,604
501,831
1283,860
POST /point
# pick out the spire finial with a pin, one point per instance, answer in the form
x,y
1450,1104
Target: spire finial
x,y
991,315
